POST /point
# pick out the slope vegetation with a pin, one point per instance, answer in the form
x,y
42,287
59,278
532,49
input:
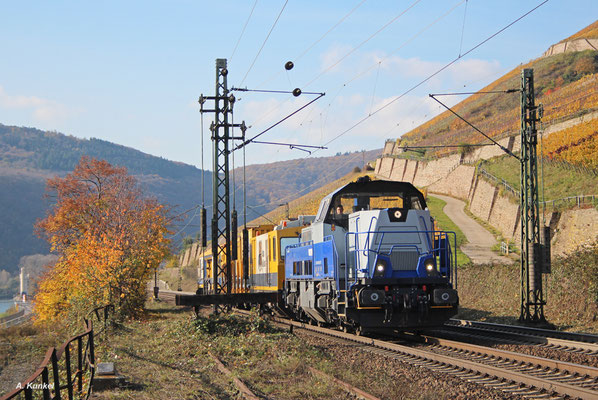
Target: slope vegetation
x,y
566,84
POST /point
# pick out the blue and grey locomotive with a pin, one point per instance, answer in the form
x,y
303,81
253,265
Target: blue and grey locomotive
x,y
380,265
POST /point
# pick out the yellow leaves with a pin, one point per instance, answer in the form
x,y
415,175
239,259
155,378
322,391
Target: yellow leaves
x,y
107,235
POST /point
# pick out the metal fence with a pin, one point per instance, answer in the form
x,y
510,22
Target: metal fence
x,y
578,201
499,181
573,200
66,372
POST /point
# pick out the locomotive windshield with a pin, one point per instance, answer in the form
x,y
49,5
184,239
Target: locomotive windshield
x,y
353,202
366,194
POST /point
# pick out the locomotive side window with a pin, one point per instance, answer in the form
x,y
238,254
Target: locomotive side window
x,y
416,204
273,248
325,266
323,208
307,267
286,242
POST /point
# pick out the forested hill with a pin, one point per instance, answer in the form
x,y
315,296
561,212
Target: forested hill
x,y
28,157
33,148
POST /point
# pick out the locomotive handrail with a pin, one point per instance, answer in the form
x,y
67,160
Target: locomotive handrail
x,y
335,258
367,240
452,275
426,226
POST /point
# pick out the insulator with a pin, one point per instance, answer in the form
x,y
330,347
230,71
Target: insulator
x,y
233,243
204,228
245,253
296,92
289,65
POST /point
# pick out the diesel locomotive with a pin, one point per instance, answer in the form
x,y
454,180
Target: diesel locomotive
x,y
371,259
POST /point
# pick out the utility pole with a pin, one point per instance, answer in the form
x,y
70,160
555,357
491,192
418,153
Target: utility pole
x,y
222,236
535,256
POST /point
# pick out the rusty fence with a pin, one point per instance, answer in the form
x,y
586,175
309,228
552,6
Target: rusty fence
x,y
67,372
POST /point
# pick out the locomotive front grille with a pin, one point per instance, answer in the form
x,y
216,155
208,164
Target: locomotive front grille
x,y
404,260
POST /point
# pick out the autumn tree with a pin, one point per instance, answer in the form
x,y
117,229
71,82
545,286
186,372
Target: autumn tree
x,y
109,239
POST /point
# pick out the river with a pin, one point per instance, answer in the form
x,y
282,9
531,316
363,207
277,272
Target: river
x,y
6,304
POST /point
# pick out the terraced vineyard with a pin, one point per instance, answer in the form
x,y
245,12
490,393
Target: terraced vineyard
x,y
566,85
576,145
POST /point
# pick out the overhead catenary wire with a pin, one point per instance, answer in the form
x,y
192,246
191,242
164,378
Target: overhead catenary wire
x,y
264,43
242,31
362,120
311,46
325,119
247,141
379,62
295,194
503,148
363,42
463,28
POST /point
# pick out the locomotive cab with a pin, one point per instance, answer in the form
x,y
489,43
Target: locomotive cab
x,y
391,268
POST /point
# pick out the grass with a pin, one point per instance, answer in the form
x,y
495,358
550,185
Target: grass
x,y
166,355
559,182
22,349
436,206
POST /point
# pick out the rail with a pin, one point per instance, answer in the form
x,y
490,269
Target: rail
x,y
56,377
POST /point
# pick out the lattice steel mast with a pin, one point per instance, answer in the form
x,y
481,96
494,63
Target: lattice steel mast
x,y
535,258
222,235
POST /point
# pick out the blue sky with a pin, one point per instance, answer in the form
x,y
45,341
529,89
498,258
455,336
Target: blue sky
x,y
131,72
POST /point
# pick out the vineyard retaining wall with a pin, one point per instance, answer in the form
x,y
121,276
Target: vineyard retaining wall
x,y
571,46
575,227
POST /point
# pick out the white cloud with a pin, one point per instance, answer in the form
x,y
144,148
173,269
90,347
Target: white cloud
x,y
42,110
330,59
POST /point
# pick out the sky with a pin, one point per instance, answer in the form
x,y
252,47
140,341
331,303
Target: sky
x,y
131,72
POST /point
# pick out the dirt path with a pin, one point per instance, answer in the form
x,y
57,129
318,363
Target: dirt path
x,y
480,240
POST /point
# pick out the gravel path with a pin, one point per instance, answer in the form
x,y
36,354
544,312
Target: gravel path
x,y
480,240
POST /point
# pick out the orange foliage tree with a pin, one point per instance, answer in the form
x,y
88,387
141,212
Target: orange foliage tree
x,y
109,238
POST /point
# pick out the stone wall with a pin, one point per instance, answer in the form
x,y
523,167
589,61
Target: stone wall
x,y
571,46
457,183
389,146
482,199
433,171
575,228
504,216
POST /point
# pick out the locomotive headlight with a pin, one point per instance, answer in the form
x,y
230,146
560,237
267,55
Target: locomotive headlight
x,y
430,267
380,268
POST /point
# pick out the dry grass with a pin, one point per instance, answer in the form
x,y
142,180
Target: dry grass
x,y
491,293
165,355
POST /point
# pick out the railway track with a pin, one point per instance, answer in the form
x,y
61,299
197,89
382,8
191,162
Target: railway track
x,y
514,373
556,340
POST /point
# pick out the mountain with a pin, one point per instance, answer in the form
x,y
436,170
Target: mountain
x,y
29,156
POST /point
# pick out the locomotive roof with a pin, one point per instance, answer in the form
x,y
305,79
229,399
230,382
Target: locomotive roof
x,y
366,185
